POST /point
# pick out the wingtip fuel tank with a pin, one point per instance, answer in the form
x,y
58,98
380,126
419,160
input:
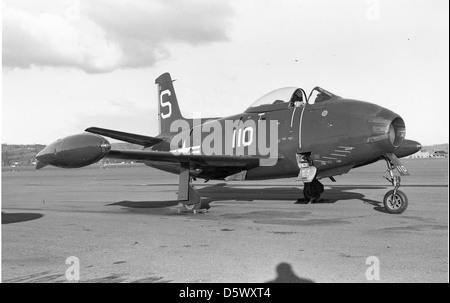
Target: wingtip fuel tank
x,y
74,151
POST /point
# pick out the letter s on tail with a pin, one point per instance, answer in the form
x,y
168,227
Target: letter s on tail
x,y
168,109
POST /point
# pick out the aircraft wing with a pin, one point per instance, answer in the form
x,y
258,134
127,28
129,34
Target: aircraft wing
x,y
145,141
194,160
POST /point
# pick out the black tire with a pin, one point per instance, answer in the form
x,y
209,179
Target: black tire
x,y
312,191
306,192
322,188
397,205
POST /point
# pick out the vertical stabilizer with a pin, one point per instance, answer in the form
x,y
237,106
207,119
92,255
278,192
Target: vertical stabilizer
x,y
168,109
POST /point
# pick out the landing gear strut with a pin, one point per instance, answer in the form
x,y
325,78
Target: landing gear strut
x,y
187,194
313,190
395,201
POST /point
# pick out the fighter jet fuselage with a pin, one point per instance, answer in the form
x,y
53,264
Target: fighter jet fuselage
x,y
283,134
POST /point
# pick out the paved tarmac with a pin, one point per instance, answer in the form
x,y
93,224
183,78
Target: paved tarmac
x,y
123,226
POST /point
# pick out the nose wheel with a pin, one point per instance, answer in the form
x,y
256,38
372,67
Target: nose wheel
x,y
395,201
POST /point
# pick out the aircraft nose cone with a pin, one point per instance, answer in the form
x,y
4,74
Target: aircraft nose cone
x,y
408,147
416,146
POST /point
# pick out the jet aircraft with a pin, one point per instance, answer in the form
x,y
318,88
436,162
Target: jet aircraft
x,y
311,137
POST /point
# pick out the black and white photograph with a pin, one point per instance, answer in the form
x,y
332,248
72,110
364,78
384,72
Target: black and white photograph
x,y
221,147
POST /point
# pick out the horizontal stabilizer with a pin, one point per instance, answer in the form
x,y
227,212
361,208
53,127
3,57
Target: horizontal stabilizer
x,y
145,141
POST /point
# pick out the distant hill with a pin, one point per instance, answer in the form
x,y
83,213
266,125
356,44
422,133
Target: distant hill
x,y
127,146
432,148
19,155
24,155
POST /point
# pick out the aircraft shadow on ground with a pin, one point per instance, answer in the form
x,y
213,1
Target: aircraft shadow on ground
x,y
285,274
332,194
222,192
146,204
8,218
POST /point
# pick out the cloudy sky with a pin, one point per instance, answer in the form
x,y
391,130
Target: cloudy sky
x,y
69,65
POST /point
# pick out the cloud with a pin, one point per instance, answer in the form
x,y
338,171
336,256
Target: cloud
x,y
103,35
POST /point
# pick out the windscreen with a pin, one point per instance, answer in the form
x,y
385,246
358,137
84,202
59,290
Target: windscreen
x,y
277,96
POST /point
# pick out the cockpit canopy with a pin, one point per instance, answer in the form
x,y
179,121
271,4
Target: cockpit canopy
x,y
289,97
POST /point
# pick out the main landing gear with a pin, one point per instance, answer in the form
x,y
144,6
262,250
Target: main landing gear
x,y
187,194
395,201
313,190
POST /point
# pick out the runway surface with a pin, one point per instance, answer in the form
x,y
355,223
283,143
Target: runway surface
x,y
123,225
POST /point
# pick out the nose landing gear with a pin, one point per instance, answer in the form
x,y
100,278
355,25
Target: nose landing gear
x,y
395,201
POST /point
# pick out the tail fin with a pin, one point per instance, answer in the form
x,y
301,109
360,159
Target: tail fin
x,y
168,109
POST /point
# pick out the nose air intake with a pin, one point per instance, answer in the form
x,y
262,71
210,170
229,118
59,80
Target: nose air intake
x,y
397,132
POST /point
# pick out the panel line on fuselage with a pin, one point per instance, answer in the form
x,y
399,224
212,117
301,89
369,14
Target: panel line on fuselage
x,y
339,155
331,158
292,118
300,128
